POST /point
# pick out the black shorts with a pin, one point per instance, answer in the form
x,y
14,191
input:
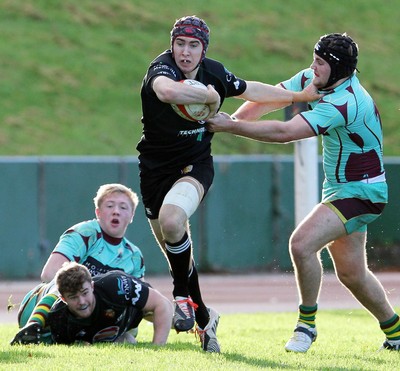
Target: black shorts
x,y
155,184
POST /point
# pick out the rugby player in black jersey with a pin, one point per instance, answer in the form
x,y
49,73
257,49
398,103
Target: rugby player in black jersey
x,y
175,162
101,308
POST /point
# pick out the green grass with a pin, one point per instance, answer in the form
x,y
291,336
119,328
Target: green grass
x,y
71,70
347,340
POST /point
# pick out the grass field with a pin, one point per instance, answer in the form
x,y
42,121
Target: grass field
x,y
70,78
71,70
347,340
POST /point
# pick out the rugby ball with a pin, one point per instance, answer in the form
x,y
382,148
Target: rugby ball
x,y
193,111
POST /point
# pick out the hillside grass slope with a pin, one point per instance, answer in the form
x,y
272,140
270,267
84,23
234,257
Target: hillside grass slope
x,y
71,70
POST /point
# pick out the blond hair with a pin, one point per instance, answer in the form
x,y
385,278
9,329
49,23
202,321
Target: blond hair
x,y
107,189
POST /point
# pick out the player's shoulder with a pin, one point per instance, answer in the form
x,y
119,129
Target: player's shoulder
x,y
213,66
299,80
110,276
212,62
86,227
132,247
113,285
163,62
58,309
346,95
162,65
215,73
165,56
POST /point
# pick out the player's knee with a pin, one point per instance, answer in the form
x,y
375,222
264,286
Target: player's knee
x,y
296,248
351,278
171,226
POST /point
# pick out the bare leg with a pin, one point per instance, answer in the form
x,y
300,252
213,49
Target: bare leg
x,y
317,229
349,256
156,229
173,235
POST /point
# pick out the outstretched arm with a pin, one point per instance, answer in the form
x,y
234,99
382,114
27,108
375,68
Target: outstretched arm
x,y
253,110
265,93
162,315
272,131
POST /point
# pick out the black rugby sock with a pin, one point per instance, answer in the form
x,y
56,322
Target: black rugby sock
x,y
202,316
179,255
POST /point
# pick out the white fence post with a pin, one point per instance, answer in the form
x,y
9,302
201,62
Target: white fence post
x,y
305,169
305,177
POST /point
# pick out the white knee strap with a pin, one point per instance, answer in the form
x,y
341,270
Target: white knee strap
x,y
184,195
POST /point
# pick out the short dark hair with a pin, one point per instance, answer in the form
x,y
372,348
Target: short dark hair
x,y
71,277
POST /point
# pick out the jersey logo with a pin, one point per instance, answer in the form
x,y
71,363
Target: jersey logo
x,y
164,69
106,334
109,313
188,133
228,75
138,288
123,286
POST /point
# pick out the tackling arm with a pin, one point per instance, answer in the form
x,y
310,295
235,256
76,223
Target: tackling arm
x,y
265,93
272,131
253,110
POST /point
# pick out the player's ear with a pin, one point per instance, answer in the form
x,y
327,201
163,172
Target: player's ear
x,y
96,210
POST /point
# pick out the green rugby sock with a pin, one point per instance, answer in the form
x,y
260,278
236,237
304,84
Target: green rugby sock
x,y
391,328
42,309
307,315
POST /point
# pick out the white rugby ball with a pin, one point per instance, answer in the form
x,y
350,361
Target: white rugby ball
x,y
193,111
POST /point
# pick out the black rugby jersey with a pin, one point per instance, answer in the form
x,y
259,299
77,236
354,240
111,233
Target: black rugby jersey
x,y
169,141
120,299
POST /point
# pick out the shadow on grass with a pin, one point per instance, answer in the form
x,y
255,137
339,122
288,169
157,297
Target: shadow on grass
x,y
232,357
